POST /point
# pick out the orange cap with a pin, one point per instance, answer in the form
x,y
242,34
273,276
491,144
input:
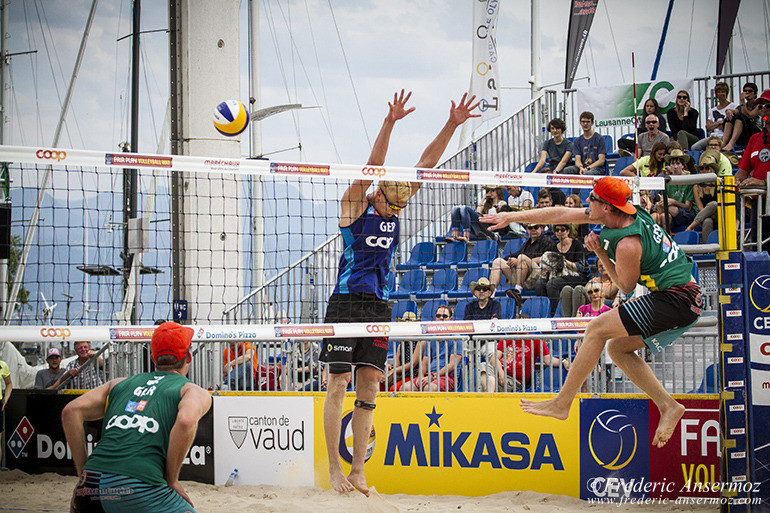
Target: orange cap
x,y
171,338
616,192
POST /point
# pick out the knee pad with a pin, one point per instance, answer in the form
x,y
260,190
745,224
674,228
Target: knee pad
x,y
366,405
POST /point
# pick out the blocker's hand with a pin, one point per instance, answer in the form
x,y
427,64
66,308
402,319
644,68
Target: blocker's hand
x,y
397,109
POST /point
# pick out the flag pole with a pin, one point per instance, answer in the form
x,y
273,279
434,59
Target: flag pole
x,y
636,116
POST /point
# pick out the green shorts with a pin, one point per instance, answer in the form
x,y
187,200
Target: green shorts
x,y
99,492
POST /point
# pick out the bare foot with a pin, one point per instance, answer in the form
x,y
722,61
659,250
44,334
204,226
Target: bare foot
x,y
340,483
549,408
668,421
358,480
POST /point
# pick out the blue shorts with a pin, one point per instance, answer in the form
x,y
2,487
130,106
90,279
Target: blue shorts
x,y
100,492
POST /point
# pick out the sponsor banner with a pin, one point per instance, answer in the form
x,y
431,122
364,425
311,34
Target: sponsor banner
x,y
270,440
564,180
138,333
580,20
134,160
35,440
614,106
443,175
485,75
614,454
304,331
222,164
433,328
298,169
688,465
569,324
760,387
430,445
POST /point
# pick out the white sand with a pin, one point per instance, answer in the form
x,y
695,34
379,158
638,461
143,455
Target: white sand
x,y
52,492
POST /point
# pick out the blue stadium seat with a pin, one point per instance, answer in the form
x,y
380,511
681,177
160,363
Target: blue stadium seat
x,y
621,164
507,307
460,308
536,307
551,379
686,238
443,281
713,237
559,311
530,167
401,307
513,245
611,153
482,255
452,253
411,283
422,253
695,272
429,309
694,154
710,383
584,193
471,275
390,284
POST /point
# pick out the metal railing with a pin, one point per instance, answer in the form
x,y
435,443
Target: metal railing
x,y
759,199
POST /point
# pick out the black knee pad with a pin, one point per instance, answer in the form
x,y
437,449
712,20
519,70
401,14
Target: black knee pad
x,y
366,405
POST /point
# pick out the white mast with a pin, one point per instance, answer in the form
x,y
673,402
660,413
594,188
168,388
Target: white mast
x,y
535,43
255,98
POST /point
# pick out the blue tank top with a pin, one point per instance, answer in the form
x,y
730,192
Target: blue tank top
x,y
368,245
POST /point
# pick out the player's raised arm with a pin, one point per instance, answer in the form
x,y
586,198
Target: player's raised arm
x,y
548,215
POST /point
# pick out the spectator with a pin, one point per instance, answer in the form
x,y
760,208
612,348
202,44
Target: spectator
x,y
515,364
689,165
651,165
238,362
556,154
653,135
405,360
550,196
566,266
705,197
484,307
518,199
755,163
743,122
627,146
725,161
574,201
572,298
465,220
683,121
716,120
522,268
439,360
590,148
309,372
45,378
680,196
84,377
597,306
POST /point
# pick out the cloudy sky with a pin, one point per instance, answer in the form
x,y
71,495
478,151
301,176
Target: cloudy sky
x,y
424,46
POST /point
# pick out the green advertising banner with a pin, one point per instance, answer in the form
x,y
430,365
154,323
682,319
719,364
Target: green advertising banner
x,y
614,106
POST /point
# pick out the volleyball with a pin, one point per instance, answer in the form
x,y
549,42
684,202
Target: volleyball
x,y
231,118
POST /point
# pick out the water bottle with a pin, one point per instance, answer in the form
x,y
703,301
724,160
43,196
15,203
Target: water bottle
x,y
232,477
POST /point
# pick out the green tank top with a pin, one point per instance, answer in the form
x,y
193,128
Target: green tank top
x,y
664,264
141,410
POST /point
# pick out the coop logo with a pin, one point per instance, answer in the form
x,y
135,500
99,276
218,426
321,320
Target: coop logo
x,y
373,171
381,329
612,440
139,422
379,242
21,435
61,333
346,439
51,155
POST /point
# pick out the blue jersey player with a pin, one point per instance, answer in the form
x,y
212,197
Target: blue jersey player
x,y
370,228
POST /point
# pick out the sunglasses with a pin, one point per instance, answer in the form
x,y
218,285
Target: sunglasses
x,y
534,227
594,291
682,97
393,206
655,122
594,197
749,91
560,229
443,316
483,289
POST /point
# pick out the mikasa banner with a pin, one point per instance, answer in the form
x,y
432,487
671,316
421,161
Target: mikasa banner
x,y
614,106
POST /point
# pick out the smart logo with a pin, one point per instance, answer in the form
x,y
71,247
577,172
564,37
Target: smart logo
x,y
346,439
612,440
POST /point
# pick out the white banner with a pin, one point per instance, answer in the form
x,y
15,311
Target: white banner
x,y
270,440
614,106
485,76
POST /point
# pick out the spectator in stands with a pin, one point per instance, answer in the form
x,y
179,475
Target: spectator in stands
x,y
627,146
45,378
725,161
238,369
683,120
522,268
309,371
550,196
572,298
653,135
566,266
689,164
403,355
596,306
556,154
574,201
439,360
84,377
680,196
515,363
755,163
651,165
743,122
705,197
484,307
716,119
465,220
590,148
518,199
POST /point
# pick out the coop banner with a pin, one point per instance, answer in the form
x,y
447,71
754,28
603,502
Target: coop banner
x,y
615,106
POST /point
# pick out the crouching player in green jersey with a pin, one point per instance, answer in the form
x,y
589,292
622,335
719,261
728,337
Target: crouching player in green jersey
x,y
633,249
149,424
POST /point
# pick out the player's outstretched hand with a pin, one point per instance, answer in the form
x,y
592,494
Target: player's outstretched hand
x,y
498,221
398,108
462,112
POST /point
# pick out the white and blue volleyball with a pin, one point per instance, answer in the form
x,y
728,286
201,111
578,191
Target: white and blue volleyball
x,y
231,118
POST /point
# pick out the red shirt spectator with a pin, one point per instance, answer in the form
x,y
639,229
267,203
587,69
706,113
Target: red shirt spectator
x,y
519,357
756,157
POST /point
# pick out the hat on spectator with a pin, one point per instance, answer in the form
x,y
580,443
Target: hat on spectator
x,y
677,154
172,339
710,158
483,282
616,192
408,316
53,352
764,98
